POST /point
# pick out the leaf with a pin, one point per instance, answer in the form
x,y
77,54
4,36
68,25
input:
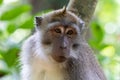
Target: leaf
x,y
1,32
14,12
11,28
27,24
1,1
10,57
3,73
97,36
97,32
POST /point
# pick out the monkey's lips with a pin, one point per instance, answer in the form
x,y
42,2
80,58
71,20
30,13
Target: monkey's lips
x,y
59,59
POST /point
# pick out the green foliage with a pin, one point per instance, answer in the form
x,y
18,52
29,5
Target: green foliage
x,y
3,73
15,12
105,37
97,35
11,28
10,57
16,24
27,24
15,21
1,2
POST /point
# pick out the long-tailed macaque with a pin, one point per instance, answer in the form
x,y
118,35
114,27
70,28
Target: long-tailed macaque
x,y
58,51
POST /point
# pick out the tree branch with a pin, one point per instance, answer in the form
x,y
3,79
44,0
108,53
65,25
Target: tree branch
x,y
83,8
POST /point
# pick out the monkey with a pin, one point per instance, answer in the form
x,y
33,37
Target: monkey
x,y
58,51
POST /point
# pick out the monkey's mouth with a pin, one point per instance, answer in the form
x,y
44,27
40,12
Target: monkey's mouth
x,y
59,59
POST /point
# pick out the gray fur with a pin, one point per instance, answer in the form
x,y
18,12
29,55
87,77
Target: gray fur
x,y
37,63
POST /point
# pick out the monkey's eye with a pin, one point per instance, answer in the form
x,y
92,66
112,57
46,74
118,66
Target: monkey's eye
x,y
70,32
57,30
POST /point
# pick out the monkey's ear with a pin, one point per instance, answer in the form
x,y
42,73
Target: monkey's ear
x,y
38,21
64,10
82,25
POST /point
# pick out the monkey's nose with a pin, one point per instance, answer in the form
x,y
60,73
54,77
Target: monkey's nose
x,y
63,45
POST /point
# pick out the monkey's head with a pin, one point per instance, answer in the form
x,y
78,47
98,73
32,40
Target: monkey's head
x,y
61,31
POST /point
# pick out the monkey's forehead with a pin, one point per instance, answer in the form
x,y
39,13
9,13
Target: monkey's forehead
x,y
58,15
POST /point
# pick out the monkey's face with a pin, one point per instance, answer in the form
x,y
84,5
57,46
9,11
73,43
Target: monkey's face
x,y
60,35
61,39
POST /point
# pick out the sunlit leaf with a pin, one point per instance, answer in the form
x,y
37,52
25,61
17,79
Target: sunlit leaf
x,y
109,51
1,56
16,11
28,24
11,28
0,32
10,57
97,35
97,32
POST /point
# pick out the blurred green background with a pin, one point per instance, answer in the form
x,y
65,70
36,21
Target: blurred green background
x,y
17,21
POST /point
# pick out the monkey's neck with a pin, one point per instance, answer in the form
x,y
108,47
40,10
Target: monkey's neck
x,y
42,71
73,70
51,75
